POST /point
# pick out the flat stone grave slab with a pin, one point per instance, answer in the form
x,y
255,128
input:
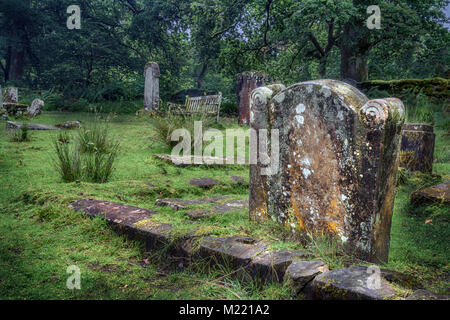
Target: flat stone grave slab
x,y
193,161
349,284
179,204
300,273
236,251
204,183
10,125
112,211
69,125
133,221
435,194
272,265
237,179
217,209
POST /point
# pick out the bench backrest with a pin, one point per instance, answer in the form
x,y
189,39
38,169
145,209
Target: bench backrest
x,y
204,104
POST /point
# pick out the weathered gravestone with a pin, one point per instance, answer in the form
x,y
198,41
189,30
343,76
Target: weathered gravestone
x,y
417,148
36,108
11,95
337,166
151,91
247,82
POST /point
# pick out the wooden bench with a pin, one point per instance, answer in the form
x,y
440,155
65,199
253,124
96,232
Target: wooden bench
x,y
209,105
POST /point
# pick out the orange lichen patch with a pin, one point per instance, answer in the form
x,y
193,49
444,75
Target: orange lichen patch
x,y
332,227
336,216
301,225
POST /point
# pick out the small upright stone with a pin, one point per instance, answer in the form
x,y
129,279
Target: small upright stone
x,y
36,108
336,169
417,148
11,95
151,91
247,82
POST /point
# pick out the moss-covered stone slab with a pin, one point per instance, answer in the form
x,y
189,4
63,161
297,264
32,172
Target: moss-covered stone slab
x,y
135,222
349,284
205,183
417,147
426,295
226,207
336,170
300,273
10,125
68,125
271,266
237,179
236,251
112,211
436,194
180,204
195,161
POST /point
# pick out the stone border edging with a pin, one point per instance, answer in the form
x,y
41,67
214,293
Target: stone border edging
x,y
253,260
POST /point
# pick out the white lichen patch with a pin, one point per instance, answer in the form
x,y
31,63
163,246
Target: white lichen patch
x,y
300,108
300,120
306,162
306,173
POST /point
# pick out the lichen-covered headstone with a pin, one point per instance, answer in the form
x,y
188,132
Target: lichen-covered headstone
x,y
338,161
36,108
11,95
151,91
417,148
247,82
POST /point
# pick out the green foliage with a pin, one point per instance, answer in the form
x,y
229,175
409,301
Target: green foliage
x,y
68,161
21,135
95,137
92,156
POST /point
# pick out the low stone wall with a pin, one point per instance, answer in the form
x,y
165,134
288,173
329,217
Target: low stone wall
x,y
435,88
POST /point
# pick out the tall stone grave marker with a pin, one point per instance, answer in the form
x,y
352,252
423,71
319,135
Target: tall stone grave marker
x,y
11,95
247,82
151,91
338,161
417,148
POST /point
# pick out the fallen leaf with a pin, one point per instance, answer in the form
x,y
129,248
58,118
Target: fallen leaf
x,y
428,221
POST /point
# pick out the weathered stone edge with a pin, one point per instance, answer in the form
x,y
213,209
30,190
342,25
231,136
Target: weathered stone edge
x,y
156,236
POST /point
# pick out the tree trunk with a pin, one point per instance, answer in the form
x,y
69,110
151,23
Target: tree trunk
x,y
16,64
322,69
353,57
202,75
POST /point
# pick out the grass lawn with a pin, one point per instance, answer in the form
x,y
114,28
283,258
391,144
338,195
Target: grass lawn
x,y
40,237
